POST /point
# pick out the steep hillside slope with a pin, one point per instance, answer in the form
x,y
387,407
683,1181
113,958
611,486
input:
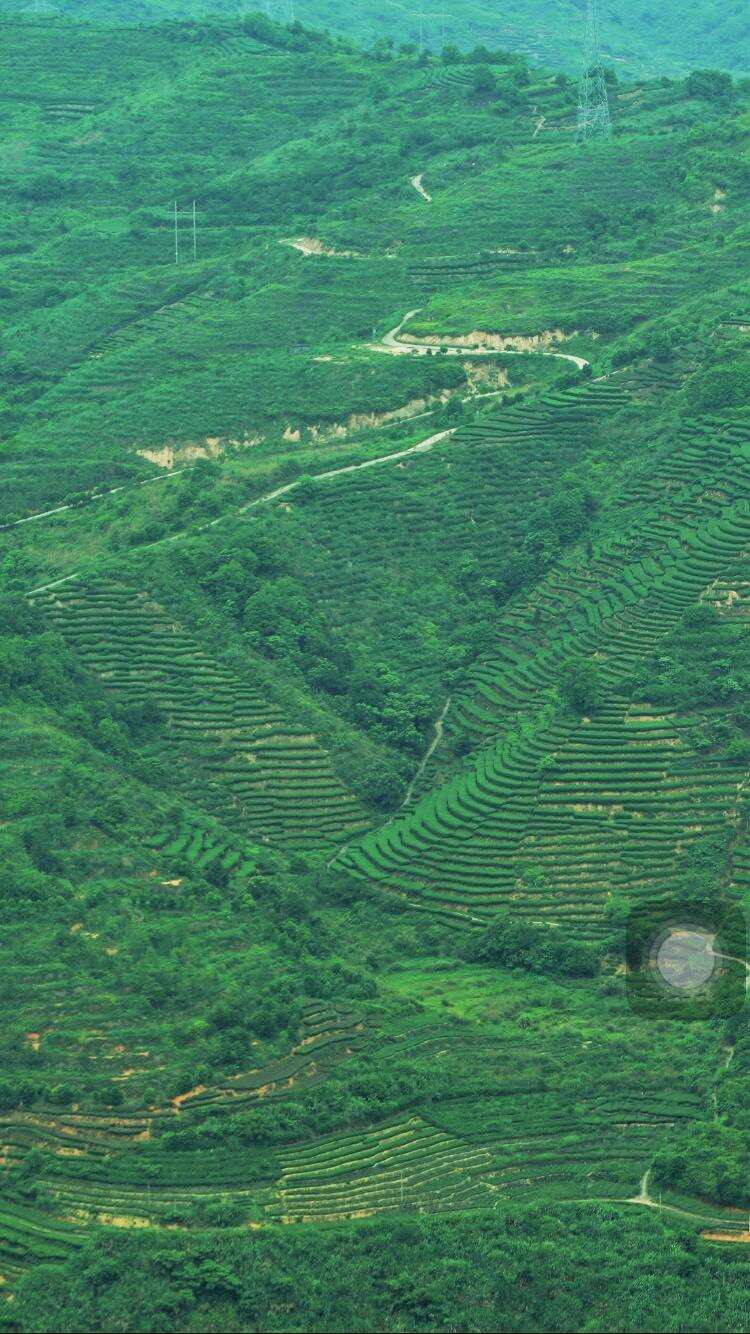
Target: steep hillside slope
x,y
640,39
373,642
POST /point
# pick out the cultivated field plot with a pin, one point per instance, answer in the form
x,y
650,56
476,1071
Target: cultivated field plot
x,y
553,817
232,748
408,1165
507,1126
375,554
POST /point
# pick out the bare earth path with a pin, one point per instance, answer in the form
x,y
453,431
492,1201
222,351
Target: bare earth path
x,y
647,1201
422,447
391,343
99,495
430,751
733,959
416,182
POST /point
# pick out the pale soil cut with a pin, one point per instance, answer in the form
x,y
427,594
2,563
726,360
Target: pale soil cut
x,y
416,182
175,452
742,1237
477,344
311,245
549,338
169,455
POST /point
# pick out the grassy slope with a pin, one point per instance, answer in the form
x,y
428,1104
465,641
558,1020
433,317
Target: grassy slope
x,y
638,39
250,341
193,727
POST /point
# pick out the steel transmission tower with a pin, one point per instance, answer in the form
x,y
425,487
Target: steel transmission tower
x,y
594,120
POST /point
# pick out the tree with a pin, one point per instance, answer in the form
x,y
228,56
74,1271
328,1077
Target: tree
x,y
537,949
713,85
725,385
483,81
580,685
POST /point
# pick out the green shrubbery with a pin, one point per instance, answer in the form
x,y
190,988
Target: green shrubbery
x,y
537,949
535,1269
580,685
172,913
711,1162
704,663
723,385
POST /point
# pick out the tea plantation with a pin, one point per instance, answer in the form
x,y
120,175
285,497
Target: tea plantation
x,y
373,651
665,39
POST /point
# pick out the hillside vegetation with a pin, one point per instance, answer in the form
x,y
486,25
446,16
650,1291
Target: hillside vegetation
x,y
641,39
373,639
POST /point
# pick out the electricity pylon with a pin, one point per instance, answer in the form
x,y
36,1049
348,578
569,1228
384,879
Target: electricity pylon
x,y
594,120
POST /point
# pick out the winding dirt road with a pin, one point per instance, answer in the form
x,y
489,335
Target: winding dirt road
x,y
99,495
394,345
647,1201
422,447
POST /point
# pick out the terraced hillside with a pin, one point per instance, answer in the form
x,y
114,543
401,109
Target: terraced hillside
x,y
660,42
249,341
594,806
373,651
406,1165
509,1140
228,745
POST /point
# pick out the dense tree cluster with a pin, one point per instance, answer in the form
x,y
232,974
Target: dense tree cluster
x,y
562,1270
537,949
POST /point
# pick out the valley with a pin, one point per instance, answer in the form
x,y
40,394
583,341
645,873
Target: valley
x,y
373,648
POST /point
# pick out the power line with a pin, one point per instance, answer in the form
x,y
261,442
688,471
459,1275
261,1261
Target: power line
x,y
192,215
594,120
268,8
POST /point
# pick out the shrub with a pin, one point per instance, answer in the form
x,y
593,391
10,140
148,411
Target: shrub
x,y
537,949
580,685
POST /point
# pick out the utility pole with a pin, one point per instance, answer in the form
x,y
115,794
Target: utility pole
x,y
192,215
421,27
594,120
